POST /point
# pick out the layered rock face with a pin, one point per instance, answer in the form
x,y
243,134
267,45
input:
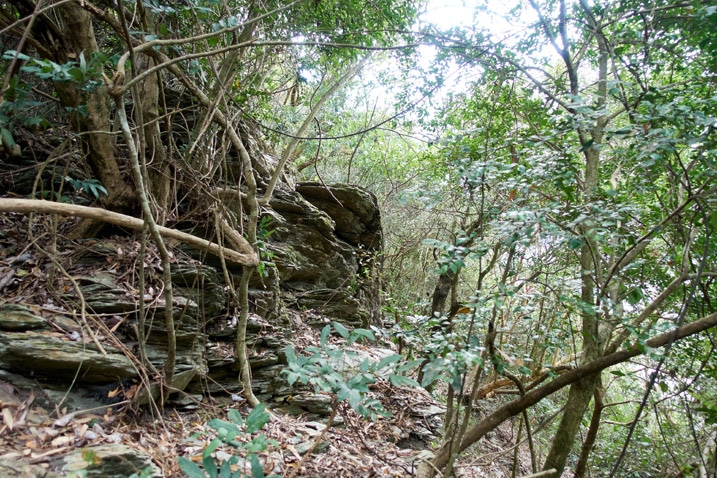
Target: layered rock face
x,y
322,259
328,249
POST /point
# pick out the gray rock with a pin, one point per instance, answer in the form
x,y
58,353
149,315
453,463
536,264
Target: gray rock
x,y
200,284
180,382
354,211
103,296
107,461
320,251
18,469
340,304
66,323
303,447
312,402
19,317
52,356
307,253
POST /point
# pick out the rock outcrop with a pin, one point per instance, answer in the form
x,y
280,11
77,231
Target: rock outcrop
x,y
321,251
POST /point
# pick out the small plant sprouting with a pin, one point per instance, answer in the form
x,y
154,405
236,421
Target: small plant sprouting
x,y
227,432
90,186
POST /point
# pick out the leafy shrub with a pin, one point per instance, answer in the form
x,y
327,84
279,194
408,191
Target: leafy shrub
x,y
227,432
328,369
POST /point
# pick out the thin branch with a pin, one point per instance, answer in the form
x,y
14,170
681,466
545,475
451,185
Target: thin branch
x,y
183,41
21,44
307,122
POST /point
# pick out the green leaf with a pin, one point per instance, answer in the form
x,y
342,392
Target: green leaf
x,y
342,331
361,333
407,366
292,377
354,398
587,145
97,189
290,354
325,335
457,380
363,367
391,359
226,469
623,131
11,54
235,417
210,467
190,468
257,471
7,138
713,221
76,75
635,296
222,427
213,445
257,445
430,374
257,418
575,243
401,380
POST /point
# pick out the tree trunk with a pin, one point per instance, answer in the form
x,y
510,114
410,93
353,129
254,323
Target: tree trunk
x,y
147,95
592,267
440,293
578,399
593,368
94,126
591,437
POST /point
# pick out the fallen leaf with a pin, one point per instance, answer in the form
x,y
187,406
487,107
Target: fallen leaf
x,y
86,419
62,441
64,420
8,417
56,451
81,430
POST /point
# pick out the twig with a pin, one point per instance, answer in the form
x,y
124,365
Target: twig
x,y
329,423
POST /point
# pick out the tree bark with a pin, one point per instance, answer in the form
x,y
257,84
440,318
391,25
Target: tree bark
x,y
591,262
591,438
578,399
94,126
147,96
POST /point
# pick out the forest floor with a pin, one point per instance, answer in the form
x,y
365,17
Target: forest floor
x,y
354,448
37,432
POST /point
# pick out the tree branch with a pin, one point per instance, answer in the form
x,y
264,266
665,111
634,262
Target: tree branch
x,y
480,429
245,257
309,118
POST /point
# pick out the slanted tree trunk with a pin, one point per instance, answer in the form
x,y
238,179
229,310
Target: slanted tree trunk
x,y
492,421
444,286
94,126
